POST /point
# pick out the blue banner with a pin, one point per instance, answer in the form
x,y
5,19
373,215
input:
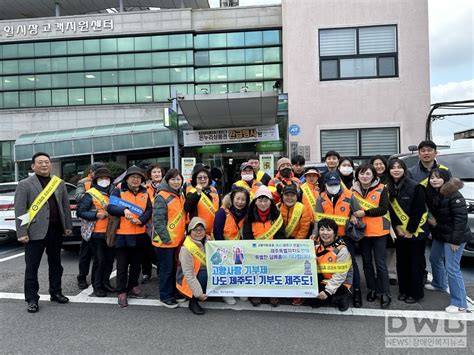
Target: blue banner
x,y
114,200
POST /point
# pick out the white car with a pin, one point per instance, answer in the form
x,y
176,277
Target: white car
x,y
7,214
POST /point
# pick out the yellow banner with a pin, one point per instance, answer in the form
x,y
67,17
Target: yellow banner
x,y
340,220
194,250
295,218
40,200
170,227
402,216
309,195
333,268
98,196
273,229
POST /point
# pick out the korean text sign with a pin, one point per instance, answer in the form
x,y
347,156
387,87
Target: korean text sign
x,y
261,268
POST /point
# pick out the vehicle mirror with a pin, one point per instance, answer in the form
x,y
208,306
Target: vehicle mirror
x,y
412,148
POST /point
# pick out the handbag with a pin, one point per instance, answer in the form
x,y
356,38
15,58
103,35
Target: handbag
x,y
356,232
112,227
87,227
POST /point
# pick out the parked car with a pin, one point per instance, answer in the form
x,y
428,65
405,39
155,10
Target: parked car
x,y
7,215
460,162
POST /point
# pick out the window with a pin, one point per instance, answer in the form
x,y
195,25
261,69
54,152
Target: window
x,y
361,143
364,52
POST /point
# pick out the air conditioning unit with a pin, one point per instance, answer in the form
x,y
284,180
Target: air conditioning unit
x,y
229,3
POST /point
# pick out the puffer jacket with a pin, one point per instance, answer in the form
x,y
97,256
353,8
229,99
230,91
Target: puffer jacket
x,y
450,214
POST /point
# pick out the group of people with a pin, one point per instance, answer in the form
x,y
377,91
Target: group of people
x,y
155,217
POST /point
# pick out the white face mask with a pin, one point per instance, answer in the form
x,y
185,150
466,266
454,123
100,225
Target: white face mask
x,y
103,183
346,170
247,177
333,190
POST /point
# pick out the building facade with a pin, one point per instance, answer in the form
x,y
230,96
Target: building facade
x,y
326,75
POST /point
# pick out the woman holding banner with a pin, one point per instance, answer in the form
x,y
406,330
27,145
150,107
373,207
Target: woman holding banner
x,y
373,200
230,220
263,222
191,275
169,222
131,203
202,199
408,216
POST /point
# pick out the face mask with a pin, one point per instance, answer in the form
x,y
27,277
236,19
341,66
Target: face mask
x,y
286,172
346,170
247,177
103,183
333,190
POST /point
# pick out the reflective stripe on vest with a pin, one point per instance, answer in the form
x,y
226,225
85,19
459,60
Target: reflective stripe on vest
x,y
328,265
403,217
272,230
340,220
334,268
295,218
340,213
40,200
195,251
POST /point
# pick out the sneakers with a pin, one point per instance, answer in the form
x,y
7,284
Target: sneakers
x,y
135,293
297,301
171,303
122,300
456,309
180,298
430,287
229,300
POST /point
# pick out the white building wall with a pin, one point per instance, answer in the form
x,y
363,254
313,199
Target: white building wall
x,y
314,105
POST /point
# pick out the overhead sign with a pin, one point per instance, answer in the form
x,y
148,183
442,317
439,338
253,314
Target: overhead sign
x,y
261,268
187,165
294,129
57,27
230,135
267,164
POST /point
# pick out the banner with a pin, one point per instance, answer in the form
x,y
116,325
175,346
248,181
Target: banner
x,y
187,165
264,268
230,135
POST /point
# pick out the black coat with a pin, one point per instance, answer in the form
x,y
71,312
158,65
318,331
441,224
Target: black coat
x,y
450,211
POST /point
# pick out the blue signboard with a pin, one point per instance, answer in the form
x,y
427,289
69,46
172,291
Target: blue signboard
x,y
294,129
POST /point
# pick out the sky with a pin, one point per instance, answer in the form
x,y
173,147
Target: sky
x,y
451,26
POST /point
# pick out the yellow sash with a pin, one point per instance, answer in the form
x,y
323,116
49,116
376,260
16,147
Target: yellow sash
x,y
295,218
334,268
309,195
172,225
98,196
273,229
366,205
260,175
424,182
40,200
194,250
206,202
402,216
340,220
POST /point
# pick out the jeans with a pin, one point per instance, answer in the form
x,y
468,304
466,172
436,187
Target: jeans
x,y
351,246
202,278
167,259
377,246
446,271
34,250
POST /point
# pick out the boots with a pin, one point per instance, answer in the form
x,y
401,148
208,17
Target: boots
x,y
195,307
357,298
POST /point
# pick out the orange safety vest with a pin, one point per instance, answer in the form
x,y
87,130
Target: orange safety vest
x,y
181,282
87,185
342,208
232,230
126,227
207,213
302,226
251,189
151,193
100,224
273,185
328,256
175,230
259,228
314,190
375,226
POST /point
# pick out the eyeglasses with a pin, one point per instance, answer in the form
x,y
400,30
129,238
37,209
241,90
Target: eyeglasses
x,y
199,230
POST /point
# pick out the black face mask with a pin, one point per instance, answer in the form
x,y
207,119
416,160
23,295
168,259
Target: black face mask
x,y
286,172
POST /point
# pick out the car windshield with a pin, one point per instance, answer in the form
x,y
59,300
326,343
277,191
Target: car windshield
x,y
460,165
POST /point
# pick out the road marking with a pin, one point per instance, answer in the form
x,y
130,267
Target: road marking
x,y
11,250
12,257
246,306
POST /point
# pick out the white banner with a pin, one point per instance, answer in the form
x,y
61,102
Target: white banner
x,y
187,165
230,135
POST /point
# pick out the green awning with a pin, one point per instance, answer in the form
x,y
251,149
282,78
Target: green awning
x,y
94,140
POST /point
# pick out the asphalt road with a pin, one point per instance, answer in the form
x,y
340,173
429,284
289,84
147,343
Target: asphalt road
x,y
86,327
